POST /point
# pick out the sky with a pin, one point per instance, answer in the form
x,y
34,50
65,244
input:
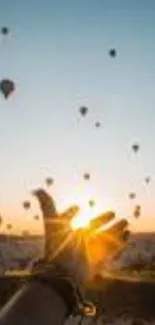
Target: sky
x,y
57,55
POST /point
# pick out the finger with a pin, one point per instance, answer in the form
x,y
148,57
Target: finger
x,y
125,236
117,229
108,242
114,233
102,219
120,241
115,239
70,213
46,203
49,213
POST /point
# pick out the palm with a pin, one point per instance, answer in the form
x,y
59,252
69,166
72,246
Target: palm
x,y
90,245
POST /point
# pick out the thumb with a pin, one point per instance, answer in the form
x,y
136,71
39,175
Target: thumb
x,y
49,213
46,202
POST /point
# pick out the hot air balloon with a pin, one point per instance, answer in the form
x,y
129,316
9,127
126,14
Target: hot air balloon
x,y
26,205
9,226
112,53
147,179
86,176
135,147
5,30
83,110
49,181
25,233
137,211
97,124
36,217
132,196
7,86
91,203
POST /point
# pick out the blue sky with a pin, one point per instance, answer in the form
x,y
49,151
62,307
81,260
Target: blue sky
x,y
57,53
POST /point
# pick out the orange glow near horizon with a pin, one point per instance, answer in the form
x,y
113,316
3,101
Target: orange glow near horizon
x,y
12,211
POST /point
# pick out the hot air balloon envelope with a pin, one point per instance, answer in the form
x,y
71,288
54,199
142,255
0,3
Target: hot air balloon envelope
x,y
136,213
86,176
91,203
147,179
97,124
26,204
5,30
49,181
25,233
7,86
9,226
132,196
36,217
83,110
135,147
137,207
112,53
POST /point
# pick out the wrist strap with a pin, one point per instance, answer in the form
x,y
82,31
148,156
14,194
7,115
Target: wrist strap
x,y
56,278
63,287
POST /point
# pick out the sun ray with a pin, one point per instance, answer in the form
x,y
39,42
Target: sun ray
x,y
62,246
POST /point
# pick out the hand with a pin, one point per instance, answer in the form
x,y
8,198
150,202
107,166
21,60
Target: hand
x,y
80,252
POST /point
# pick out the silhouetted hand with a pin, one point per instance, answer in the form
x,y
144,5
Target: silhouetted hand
x,y
80,252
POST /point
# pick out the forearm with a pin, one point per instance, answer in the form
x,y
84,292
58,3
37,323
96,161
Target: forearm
x,y
34,304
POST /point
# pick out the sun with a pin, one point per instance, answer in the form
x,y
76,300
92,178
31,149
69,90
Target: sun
x,y
88,213
82,220
81,196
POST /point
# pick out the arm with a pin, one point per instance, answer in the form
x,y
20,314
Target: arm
x,y
34,304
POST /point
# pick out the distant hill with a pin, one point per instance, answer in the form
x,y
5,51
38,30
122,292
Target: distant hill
x,y
18,251
140,251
